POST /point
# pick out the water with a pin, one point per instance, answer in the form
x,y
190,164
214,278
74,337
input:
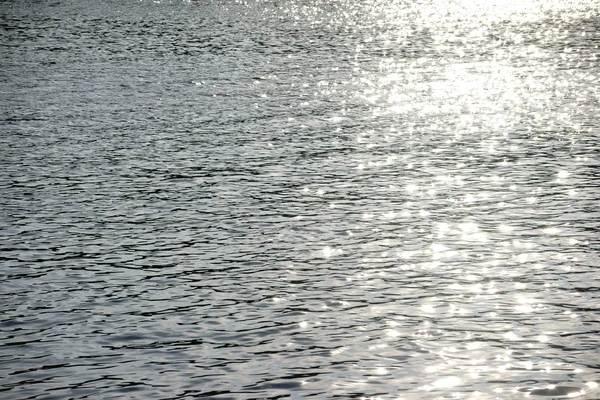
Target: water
x,y
292,199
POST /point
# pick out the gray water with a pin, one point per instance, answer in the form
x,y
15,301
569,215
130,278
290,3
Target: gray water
x,y
294,198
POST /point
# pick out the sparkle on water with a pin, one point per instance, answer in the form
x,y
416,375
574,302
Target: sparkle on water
x,y
410,211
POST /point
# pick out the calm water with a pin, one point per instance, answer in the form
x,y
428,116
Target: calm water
x,y
288,199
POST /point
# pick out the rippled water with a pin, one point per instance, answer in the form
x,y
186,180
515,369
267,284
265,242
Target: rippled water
x,y
259,200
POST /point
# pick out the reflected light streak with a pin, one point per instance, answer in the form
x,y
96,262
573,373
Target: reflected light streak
x,y
506,228
551,231
447,382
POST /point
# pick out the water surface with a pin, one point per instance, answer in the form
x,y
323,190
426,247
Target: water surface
x,y
292,199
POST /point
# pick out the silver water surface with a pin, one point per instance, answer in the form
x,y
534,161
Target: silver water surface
x,y
381,199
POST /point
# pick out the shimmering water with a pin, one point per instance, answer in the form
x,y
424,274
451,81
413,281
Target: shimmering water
x,y
331,199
